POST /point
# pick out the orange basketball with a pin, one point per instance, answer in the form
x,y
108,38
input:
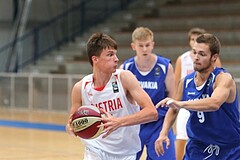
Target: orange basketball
x,y
85,121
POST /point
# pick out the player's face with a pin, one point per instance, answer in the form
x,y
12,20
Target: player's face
x,y
143,47
107,61
202,60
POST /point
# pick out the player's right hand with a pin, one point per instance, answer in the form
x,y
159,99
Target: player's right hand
x,y
159,144
68,127
168,102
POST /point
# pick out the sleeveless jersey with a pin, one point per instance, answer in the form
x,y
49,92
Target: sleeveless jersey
x,y
154,84
220,127
112,98
186,64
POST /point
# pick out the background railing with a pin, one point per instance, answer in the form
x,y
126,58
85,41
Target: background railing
x,y
47,92
52,34
50,92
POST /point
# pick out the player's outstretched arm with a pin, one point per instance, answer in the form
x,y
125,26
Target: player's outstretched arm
x,y
224,91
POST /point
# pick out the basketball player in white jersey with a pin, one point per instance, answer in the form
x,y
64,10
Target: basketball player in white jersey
x,y
183,67
118,94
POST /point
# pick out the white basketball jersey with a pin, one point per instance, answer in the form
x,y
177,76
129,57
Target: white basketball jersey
x,y
112,98
187,64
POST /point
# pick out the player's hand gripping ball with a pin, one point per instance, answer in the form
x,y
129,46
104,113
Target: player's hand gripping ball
x,y
85,122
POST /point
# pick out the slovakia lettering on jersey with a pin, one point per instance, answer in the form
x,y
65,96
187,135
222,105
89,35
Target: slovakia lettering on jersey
x,y
148,85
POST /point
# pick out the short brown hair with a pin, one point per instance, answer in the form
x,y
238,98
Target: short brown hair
x,y
98,42
212,41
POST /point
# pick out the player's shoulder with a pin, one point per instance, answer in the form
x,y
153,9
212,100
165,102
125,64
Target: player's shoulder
x,y
77,86
162,57
222,73
130,60
123,72
127,63
224,76
125,75
85,79
163,60
79,82
190,77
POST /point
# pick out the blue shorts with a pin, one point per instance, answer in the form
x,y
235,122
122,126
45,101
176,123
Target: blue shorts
x,y
199,151
148,139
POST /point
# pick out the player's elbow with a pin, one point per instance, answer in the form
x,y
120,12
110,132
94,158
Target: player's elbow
x,y
214,108
154,115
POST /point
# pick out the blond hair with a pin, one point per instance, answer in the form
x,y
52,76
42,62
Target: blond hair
x,y
142,33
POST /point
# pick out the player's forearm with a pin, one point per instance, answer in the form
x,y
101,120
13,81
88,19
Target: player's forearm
x,y
206,104
144,116
169,120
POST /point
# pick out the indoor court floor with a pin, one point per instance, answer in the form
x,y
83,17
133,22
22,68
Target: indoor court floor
x,y
36,135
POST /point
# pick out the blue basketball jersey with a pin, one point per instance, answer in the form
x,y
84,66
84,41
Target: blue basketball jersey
x,y
220,127
154,82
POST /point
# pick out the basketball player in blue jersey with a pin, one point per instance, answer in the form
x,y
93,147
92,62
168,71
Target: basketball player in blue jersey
x,y
117,93
210,94
184,66
155,75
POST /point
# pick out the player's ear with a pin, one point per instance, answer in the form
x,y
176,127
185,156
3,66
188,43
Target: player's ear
x,y
133,46
153,43
94,59
214,57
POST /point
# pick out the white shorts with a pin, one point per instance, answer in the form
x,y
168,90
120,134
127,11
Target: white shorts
x,y
181,123
92,153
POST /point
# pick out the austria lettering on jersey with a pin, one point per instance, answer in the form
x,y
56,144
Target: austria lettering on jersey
x,y
110,105
148,85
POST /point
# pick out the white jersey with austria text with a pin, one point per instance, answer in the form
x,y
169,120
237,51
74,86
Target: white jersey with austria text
x,y
124,140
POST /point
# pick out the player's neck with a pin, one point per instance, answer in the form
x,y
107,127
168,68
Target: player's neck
x,y
145,63
201,77
100,80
